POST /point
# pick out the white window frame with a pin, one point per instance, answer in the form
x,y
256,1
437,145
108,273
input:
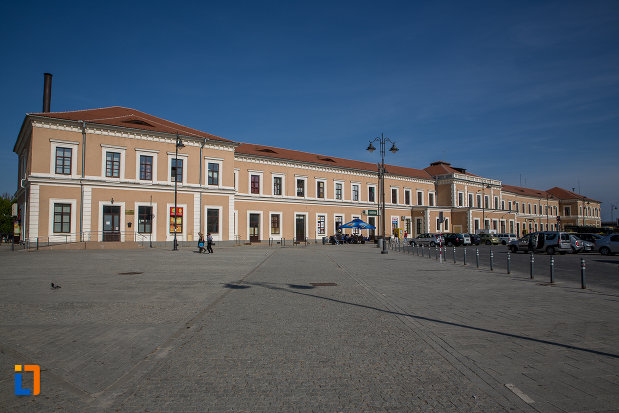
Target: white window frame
x,y
458,200
61,236
352,186
141,236
237,171
306,189
179,236
470,199
218,161
283,177
260,189
375,193
422,196
335,216
185,159
410,196
397,195
432,195
324,183
322,214
281,224
218,236
145,152
261,221
335,191
112,148
74,146
122,219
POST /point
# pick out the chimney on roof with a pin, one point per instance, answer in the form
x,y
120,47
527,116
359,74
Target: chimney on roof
x,y
47,92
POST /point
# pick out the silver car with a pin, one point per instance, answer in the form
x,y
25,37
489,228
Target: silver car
x,y
428,239
580,245
547,241
608,245
507,238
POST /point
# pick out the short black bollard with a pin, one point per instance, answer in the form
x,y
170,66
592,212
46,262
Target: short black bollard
x,y
491,259
531,266
464,255
509,262
477,256
583,281
454,255
37,243
422,253
552,269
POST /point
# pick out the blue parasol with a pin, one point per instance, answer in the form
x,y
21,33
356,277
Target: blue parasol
x,y
357,223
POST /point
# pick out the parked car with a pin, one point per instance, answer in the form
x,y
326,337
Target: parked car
x,y
608,245
475,240
456,239
589,237
428,239
548,241
489,239
507,238
580,245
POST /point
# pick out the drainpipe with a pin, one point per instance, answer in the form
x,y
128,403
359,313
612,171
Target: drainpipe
x,y
82,181
201,160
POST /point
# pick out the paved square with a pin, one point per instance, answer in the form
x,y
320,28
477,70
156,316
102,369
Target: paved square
x,y
244,330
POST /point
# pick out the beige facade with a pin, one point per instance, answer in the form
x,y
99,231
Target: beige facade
x,y
84,176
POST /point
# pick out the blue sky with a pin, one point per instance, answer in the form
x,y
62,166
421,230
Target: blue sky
x,y
525,92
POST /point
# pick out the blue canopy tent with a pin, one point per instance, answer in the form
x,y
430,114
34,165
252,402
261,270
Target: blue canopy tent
x,y
357,223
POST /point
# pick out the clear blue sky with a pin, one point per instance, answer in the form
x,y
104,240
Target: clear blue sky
x,y
506,89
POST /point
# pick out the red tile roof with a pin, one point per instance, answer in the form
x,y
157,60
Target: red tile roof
x,y
526,191
128,118
279,153
565,194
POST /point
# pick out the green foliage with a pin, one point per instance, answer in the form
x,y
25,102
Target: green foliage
x,y
6,220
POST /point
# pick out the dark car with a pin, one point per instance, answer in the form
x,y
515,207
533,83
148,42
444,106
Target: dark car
x,y
589,237
475,240
454,240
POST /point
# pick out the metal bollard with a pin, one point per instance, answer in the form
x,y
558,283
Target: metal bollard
x,y
509,262
552,269
583,281
436,252
454,255
37,243
531,269
464,255
477,256
422,251
491,260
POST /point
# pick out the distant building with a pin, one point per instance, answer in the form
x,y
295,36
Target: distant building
x,y
108,174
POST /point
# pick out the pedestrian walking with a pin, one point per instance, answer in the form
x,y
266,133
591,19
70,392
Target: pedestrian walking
x,y
209,243
201,248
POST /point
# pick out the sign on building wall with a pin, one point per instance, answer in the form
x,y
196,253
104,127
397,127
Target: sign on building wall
x,y
176,220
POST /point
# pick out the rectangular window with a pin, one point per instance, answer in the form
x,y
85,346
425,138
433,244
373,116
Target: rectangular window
x,y
300,187
339,220
478,201
471,200
486,202
112,164
355,192
212,220
394,196
146,167
63,161
275,224
62,218
371,194
321,225
338,191
320,189
529,208
503,205
277,185
523,206
431,199
407,197
509,205
213,173
419,198
460,199
145,219
176,172
496,202
255,184
567,211
535,209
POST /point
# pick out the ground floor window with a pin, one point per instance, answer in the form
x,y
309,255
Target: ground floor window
x,y
212,221
476,225
275,224
339,220
62,218
145,219
321,225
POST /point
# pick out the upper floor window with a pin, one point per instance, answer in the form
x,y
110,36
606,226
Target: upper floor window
x,y
176,171
431,199
486,202
338,190
419,198
509,205
255,184
394,196
355,192
112,164
371,194
496,202
300,187
503,205
567,211
407,197
471,200
320,189
535,209
146,167
277,186
63,161
213,174
478,201
460,199
529,208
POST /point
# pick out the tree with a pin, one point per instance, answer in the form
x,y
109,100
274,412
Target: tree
x,y
6,219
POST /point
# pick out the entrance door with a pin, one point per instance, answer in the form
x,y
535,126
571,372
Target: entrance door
x,y
300,228
111,223
254,227
371,232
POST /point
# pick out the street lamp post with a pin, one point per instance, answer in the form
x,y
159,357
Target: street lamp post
x,y
584,211
483,204
179,144
381,177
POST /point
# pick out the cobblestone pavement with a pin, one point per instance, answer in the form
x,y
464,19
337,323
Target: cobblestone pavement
x,y
244,330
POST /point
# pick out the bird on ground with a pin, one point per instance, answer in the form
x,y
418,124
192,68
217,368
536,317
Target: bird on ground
x,y
55,286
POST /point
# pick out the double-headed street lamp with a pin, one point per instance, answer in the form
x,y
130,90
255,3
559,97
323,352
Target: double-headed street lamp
x,y
381,178
179,144
483,203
